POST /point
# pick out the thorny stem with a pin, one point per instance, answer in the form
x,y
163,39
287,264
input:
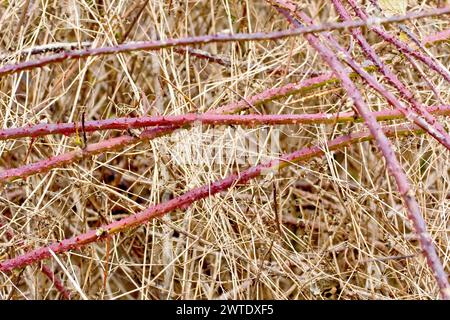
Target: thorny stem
x,y
193,195
58,47
422,118
89,150
45,270
435,130
205,119
413,37
200,54
393,165
411,59
406,49
50,47
274,93
169,43
56,281
121,142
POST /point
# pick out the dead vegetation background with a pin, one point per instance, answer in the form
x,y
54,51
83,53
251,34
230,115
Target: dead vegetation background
x,y
331,228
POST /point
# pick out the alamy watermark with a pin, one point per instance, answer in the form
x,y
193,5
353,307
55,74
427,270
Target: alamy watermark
x,y
221,146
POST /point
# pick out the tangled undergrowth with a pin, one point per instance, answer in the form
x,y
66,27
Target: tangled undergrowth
x,y
224,149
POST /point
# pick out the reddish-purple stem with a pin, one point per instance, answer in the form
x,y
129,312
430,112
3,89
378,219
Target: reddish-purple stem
x,y
205,119
116,143
273,93
204,55
403,47
56,282
393,165
193,195
411,59
45,270
120,142
188,41
90,150
423,118
436,37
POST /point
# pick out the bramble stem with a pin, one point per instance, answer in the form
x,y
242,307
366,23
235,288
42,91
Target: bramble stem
x,y
188,41
56,282
177,122
45,270
420,116
403,47
436,37
126,140
193,195
385,147
410,58
205,119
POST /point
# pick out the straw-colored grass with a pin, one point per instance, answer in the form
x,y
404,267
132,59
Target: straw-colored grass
x,y
330,228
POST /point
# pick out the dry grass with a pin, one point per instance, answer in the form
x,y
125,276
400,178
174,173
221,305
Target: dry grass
x,y
331,228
